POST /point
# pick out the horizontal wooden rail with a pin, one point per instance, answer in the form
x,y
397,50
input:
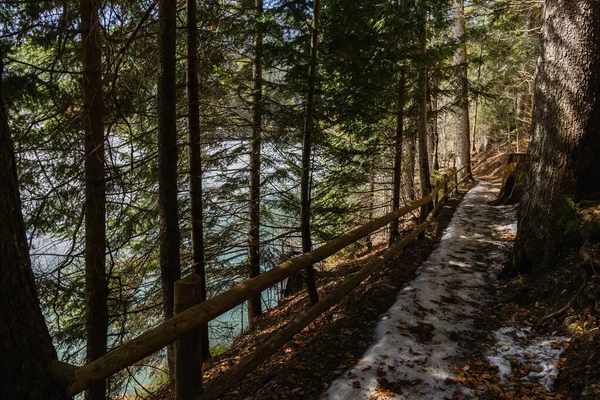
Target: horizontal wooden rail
x,y
168,331
222,384
78,379
225,382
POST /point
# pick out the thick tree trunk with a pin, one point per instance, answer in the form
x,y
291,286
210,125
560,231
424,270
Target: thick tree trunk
x,y
255,306
306,153
195,160
462,82
25,343
167,160
398,154
564,153
423,87
96,284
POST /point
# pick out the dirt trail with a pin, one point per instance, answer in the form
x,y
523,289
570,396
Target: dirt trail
x,y
424,330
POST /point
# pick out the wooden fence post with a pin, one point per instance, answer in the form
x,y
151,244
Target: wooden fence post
x,y
188,348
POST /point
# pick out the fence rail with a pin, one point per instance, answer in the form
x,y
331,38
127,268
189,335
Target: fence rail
x,y
78,379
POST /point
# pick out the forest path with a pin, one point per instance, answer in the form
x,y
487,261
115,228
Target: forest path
x,y
419,336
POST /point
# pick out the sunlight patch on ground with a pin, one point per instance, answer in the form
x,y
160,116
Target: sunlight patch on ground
x,y
419,335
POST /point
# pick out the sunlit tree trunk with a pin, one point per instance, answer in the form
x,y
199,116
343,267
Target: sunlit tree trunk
x,y
167,159
462,83
306,152
255,306
96,284
563,162
25,343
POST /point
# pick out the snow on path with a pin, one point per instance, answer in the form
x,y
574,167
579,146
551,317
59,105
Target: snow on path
x,y
422,330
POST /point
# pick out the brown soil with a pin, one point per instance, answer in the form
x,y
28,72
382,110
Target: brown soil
x,y
321,352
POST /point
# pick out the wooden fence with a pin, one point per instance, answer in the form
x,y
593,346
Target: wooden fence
x,y
192,315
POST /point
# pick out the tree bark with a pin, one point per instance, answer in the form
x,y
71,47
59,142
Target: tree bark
x,y
96,283
306,153
477,98
167,160
25,343
195,161
398,154
423,87
462,88
563,162
255,306
409,169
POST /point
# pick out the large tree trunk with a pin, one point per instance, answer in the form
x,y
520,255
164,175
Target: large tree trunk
x,y
96,284
167,160
25,343
462,83
195,161
255,306
306,153
398,154
423,87
564,153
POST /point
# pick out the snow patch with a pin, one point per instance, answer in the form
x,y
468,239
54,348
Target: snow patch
x,y
538,355
420,334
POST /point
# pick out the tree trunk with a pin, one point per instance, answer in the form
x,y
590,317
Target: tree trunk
x,y
195,160
462,82
423,87
430,128
563,162
25,343
255,306
306,153
96,284
398,155
409,169
477,98
167,160
435,135
369,238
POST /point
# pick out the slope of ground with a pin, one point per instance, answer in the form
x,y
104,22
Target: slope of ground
x,y
565,299
322,351
427,329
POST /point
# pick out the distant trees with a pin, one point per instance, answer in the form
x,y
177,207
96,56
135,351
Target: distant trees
x,y
25,343
563,162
